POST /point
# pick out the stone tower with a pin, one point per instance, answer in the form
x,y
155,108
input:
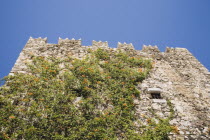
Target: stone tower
x,y
177,76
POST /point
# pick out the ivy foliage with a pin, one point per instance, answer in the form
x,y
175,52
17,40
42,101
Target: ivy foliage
x,y
90,98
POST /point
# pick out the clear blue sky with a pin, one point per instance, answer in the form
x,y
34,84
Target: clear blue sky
x,y
174,23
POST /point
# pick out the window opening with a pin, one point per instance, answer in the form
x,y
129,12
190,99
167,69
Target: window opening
x,y
156,96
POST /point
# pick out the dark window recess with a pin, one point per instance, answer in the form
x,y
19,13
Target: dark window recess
x,y
156,96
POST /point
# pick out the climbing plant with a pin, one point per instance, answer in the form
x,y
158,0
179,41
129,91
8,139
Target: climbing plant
x,y
89,98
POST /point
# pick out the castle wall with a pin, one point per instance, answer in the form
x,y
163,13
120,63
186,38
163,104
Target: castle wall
x,y
185,82
181,77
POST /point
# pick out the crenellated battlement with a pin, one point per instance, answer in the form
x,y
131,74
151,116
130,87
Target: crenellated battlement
x,y
37,41
42,42
73,42
125,46
69,42
150,49
100,44
175,50
75,47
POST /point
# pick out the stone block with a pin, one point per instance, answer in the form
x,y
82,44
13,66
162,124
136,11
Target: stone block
x,y
154,90
159,101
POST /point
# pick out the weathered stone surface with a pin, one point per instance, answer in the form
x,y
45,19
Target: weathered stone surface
x,y
179,76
